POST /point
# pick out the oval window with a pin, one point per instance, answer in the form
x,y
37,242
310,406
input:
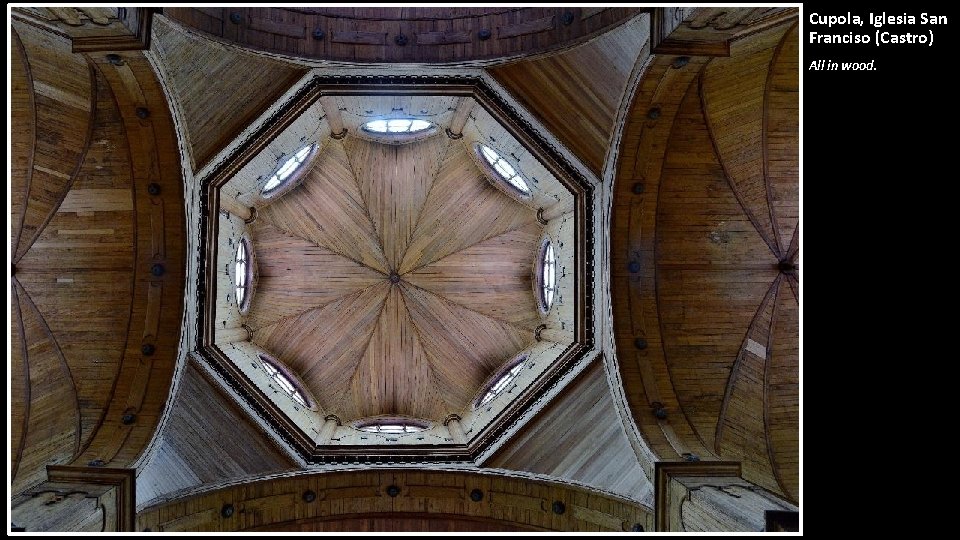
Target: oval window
x,y
392,426
502,382
243,277
284,174
504,170
397,125
547,276
284,382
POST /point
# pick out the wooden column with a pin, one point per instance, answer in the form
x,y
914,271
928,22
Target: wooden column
x,y
710,496
233,335
555,211
460,115
329,428
236,208
456,430
337,131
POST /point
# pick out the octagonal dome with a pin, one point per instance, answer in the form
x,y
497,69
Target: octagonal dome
x,y
392,279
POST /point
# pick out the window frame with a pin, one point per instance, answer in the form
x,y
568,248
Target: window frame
x,y
284,372
543,304
295,176
498,377
497,177
398,138
243,305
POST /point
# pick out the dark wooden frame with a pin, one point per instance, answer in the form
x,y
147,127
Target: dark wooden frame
x,y
124,480
351,85
663,471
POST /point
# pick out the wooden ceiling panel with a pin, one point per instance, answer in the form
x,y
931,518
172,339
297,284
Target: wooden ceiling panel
x,y
206,439
325,345
52,433
577,93
781,126
295,275
328,209
465,347
493,277
394,200
462,209
225,96
395,375
782,379
578,437
23,137
64,104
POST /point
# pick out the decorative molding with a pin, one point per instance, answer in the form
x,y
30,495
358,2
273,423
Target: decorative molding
x,y
123,480
664,471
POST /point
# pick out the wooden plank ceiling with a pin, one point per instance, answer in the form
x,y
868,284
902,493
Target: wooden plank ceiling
x,y
713,232
84,232
462,252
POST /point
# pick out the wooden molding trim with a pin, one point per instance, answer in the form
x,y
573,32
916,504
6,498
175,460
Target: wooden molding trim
x,y
664,471
137,20
123,480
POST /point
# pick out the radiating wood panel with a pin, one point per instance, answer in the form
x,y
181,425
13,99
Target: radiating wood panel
x,y
22,137
579,437
741,426
328,209
19,383
221,99
782,379
395,376
330,341
461,210
576,94
465,347
206,439
295,275
53,412
493,277
711,262
781,136
64,100
394,182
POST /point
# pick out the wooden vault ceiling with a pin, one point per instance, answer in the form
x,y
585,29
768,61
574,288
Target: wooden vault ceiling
x,y
463,252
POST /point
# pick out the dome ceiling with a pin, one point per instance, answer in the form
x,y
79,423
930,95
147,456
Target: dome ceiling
x,y
395,278
414,278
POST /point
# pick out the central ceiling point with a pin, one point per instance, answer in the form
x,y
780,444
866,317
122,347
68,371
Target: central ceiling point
x,y
394,277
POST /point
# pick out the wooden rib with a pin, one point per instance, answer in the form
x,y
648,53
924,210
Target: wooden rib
x,y
741,427
325,345
731,92
461,210
395,375
394,181
493,277
23,114
53,434
464,347
19,383
63,134
781,135
295,275
327,209
782,394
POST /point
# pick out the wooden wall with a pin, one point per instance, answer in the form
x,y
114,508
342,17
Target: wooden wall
x,y
579,437
357,500
220,91
429,34
98,259
207,439
576,94
705,208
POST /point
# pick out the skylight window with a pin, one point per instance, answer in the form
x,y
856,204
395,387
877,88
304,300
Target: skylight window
x,y
284,383
502,382
504,170
243,275
394,426
548,275
397,125
284,174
